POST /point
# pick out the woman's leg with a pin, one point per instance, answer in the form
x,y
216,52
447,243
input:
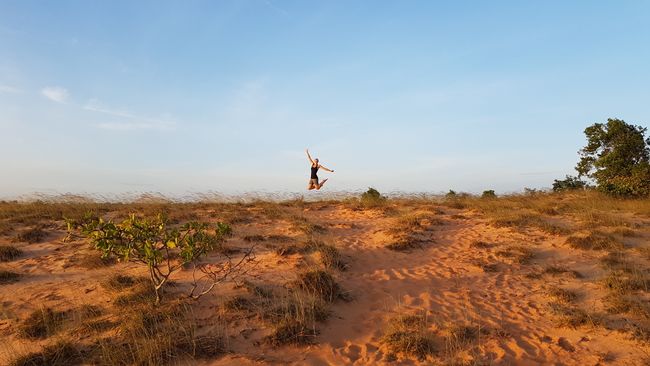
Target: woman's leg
x,y
322,183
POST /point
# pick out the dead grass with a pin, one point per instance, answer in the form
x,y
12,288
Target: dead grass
x,y
595,240
61,353
478,244
46,322
294,317
119,282
570,316
621,303
626,232
556,270
518,254
328,255
42,323
90,260
9,253
303,225
410,336
151,335
562,295
319,283
622,282
32,235
7,277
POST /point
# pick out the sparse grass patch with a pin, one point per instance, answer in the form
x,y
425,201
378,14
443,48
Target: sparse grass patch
x,y
622,282
151,335
329,256
555,270
32,235
119,282
42,323
254,238
518,254
61,353
487,267
405,244
302,224
91,260
644,251
478,244
140,294
562,295
620,303
287,249
319,283
9,253
294,316
626,232
410,335
8,277
257,290
524,220
594,241
239,303
569,316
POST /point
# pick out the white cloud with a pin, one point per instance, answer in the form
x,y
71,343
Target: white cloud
x,y
135,122
131,126
55,93
9,89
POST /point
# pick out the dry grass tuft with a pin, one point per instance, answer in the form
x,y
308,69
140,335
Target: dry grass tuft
x,y
254,238
42,323
622,282
91,260
568,316
303,225
319,283
555,270
329,256
33,235
410,335
293,317
8,277
61,353
561,295
621,303
518,254
9,253
594,241
478,244
405,244
119,282
626,232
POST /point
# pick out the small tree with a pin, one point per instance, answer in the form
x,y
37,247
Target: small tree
x,y
617,158
162,248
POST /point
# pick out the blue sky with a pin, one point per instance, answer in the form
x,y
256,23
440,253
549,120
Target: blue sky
x,y
192,96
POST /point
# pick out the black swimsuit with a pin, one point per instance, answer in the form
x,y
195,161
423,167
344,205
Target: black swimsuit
x,y
314,170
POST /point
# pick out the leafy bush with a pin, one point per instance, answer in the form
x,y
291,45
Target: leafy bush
x,y
568,183
163,249
489,194
372,197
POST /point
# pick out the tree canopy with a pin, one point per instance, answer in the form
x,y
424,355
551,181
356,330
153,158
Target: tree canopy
x,y
617,158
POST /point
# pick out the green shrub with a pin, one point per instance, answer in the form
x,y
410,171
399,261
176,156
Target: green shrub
x,y
489,194
372,198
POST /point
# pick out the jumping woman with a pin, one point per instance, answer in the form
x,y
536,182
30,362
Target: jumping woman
x,y
313,181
